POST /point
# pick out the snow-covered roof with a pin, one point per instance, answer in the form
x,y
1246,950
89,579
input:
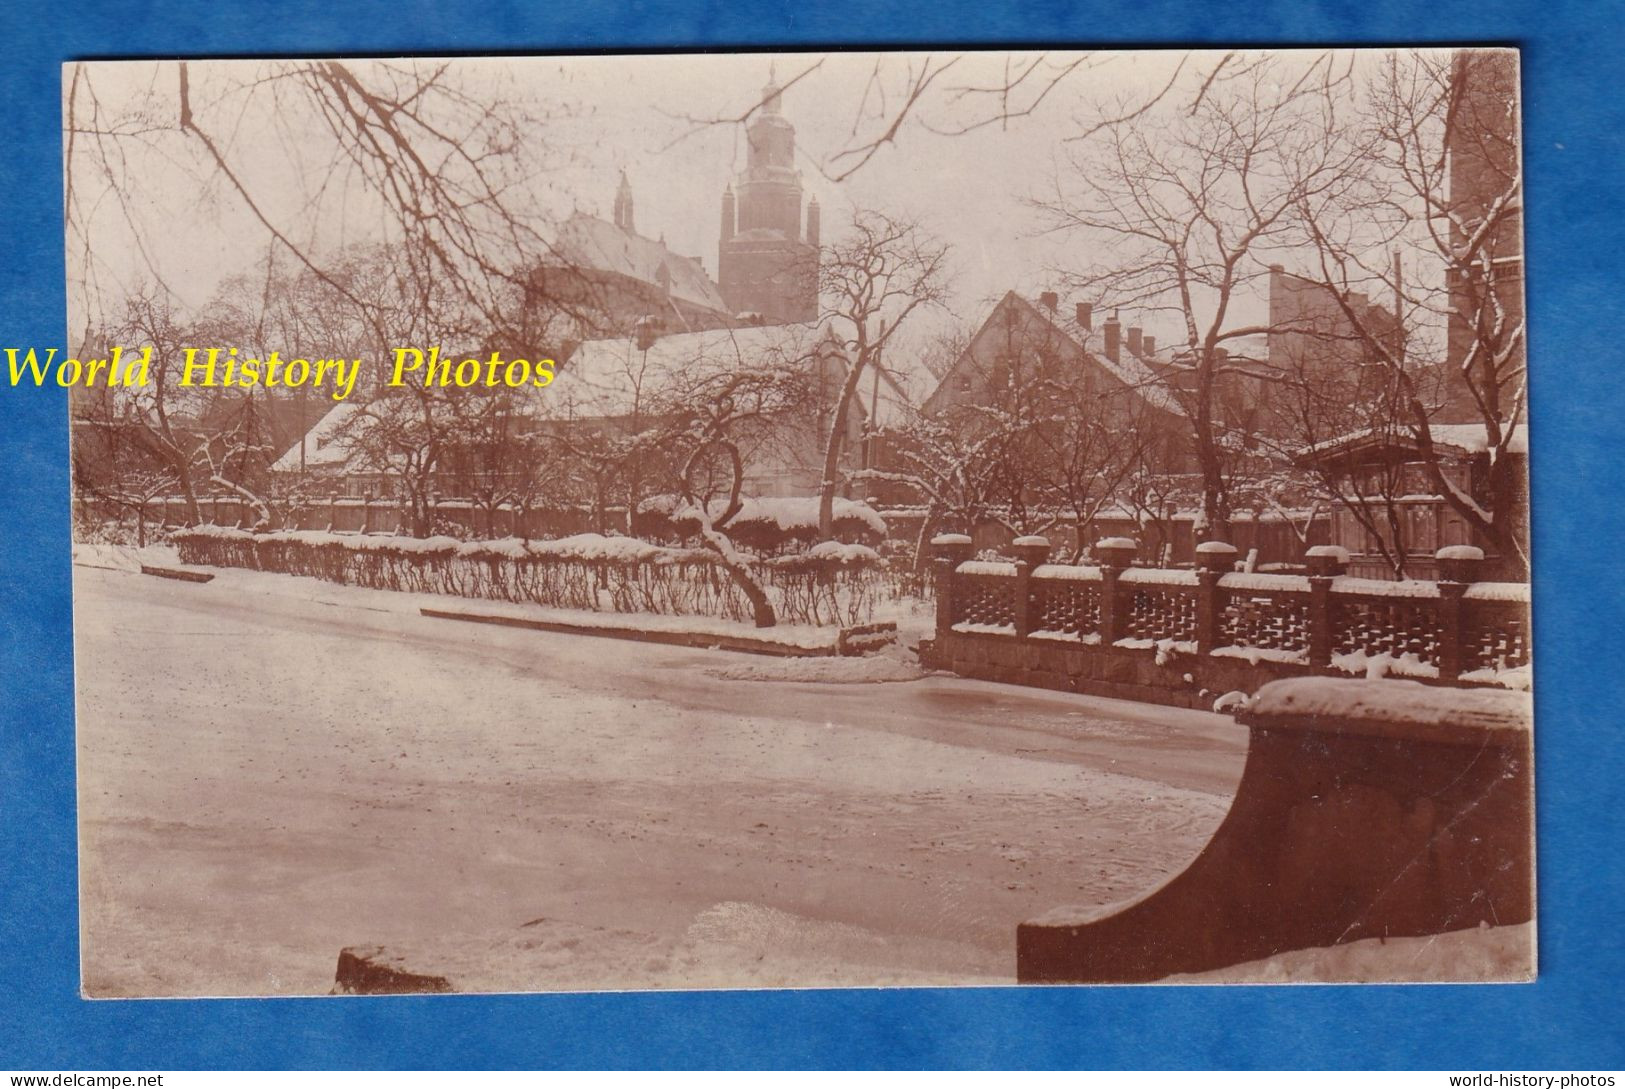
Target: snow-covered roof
x,y
1133,371
588,242
1474,438
612,378
321,443
1138,373
1470,438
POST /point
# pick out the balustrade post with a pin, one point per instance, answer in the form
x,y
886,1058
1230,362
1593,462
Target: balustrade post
x,y
1213,560
950,550
1115,554
1030,552
1458,567
1326,562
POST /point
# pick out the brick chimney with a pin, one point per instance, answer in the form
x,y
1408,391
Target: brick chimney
x,y
1049,300
1086,316
1134,340
1149,346
1110,331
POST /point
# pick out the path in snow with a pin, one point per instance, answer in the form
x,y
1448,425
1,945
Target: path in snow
x,y
271,769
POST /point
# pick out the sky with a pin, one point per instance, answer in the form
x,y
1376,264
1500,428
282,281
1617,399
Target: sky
x,y
653,116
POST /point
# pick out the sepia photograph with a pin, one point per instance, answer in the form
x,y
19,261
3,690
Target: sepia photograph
x,y
739,520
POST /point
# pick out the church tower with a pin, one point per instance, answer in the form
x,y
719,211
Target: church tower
x,y
765,264
623,206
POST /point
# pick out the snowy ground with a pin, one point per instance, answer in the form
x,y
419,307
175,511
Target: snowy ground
x,y
1489,954
273,768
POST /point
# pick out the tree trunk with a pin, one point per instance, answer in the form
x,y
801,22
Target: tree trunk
x,y
1215,501
832,450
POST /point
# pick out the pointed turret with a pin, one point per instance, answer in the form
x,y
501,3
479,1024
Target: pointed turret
x,y
623,206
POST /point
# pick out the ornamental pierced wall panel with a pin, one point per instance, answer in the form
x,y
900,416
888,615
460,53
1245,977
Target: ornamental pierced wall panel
x,y
1158,613
1069,606
1394,626
984,599
1495,635
1278,622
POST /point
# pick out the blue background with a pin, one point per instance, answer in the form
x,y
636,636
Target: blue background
x,y
1571,1018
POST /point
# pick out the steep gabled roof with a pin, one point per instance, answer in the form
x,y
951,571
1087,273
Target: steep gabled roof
x,y
1133,372
587,242
323,446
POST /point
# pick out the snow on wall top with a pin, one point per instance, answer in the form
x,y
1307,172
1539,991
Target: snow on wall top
x,y
1244,581
1158,577
1498,591
1389,707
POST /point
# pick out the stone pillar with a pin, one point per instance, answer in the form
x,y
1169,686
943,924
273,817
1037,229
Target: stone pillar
x,y
1214,559
1115,554
950,550
1325,562
1030,552
1459,566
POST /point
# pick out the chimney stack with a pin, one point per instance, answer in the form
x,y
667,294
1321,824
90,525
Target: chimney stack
x,y
1110,331
1049,300
1086,316
1134,340
1149,346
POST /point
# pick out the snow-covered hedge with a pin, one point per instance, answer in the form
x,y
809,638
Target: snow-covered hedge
x,y
765,526
831,583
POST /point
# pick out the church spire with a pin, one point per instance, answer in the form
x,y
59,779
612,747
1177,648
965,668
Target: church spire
x,y
770,93
623,206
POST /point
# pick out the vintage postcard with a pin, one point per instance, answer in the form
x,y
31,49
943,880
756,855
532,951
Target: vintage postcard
x,y
798,520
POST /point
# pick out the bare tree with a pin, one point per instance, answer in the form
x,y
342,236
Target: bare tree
x,y
162,415
954,472
882,271
1190,204
446,168
1445,188
712,411
952,94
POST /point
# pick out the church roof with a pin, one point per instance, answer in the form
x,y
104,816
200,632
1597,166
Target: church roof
x,y
588,242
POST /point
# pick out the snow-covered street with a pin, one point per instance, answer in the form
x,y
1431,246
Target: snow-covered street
x,y
272,768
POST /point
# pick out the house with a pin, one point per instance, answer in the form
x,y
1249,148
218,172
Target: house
x,y
1389,506
613,388
1034,333
1088,370
1319,358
